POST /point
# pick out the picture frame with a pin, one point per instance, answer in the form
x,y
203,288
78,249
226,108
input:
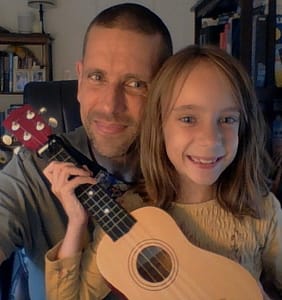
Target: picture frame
x,y
20,79
37,75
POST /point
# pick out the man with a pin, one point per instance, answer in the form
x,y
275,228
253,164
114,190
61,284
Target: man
x,y
124,47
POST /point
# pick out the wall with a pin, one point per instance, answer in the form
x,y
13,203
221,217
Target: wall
x,y
68,22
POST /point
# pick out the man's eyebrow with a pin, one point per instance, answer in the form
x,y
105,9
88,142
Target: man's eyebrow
x,y
134,76
95,70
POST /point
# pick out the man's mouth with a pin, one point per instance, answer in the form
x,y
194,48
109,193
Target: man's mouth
x,y
109,127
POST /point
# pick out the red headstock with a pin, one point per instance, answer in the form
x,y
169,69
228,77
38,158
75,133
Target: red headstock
x,y
28,127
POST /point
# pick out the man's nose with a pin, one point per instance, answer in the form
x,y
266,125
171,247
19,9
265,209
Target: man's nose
x,y
114,99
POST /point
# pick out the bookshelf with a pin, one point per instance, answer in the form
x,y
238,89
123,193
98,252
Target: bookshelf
x,y
29,58
256,47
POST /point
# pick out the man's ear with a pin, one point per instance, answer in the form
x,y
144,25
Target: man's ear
x,y
79,73
78,67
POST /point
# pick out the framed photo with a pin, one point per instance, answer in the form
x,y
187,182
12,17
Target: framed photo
x,y
37,75
21,78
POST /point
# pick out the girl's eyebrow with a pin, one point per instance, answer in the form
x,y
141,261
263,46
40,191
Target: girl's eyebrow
x,y
232,108
185,107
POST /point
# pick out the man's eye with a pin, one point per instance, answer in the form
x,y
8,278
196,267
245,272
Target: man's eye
x,y
137,84
137,87
96,77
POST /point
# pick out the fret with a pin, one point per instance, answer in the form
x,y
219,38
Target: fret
x,y
61,156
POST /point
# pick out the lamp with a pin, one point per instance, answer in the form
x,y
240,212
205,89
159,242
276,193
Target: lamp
x,y
41,4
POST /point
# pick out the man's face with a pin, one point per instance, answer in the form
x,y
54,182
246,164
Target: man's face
x,y
114,75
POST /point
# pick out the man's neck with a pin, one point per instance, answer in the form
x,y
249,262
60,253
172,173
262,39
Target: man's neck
x,y
124,167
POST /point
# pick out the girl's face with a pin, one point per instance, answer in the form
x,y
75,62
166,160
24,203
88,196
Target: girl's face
x,y
201,129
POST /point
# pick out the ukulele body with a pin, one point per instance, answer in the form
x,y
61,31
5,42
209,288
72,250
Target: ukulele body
x,y
155,261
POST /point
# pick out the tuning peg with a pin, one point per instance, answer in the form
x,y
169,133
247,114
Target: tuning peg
x,y
30,114
26,136
53,122
15,126
42,110
3,159
7,140
40,126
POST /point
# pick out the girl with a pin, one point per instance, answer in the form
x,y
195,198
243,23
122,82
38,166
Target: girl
x,y
203,160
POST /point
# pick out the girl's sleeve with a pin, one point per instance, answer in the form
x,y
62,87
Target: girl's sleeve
x,y
75,277
78,277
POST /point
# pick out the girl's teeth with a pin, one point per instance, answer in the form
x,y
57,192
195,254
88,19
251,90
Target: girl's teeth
x,y
203,161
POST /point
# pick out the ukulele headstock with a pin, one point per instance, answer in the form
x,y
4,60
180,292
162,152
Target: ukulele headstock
x,y
28,127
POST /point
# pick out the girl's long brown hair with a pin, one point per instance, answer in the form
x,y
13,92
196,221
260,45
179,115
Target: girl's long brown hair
x,y
242,185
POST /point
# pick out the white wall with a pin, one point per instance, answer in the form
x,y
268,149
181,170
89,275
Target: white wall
x,y
68,22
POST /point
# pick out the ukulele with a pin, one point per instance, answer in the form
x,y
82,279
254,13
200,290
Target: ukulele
x,y
144,255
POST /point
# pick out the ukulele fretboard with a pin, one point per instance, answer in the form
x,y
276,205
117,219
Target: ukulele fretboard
x,y
108,213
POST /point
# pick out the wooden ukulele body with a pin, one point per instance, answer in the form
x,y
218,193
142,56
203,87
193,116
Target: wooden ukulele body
x,y
187,272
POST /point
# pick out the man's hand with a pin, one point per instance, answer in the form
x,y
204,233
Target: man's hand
x,y
65,177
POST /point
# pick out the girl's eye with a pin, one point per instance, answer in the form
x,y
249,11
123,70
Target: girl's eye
x,y
229,120
188,119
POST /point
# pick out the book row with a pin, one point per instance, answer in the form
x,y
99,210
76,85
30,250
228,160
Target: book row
x,y
17,71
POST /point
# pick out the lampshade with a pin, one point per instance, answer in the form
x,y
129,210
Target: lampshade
x,y
41,4
44,3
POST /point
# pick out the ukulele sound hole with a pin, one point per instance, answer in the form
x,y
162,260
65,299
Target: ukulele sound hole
x,y
154,264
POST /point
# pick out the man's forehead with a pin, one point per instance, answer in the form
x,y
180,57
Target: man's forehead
x,y
113,47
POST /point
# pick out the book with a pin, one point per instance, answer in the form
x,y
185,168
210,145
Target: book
x,y
259,56
11,71
2,54
6,73
278,52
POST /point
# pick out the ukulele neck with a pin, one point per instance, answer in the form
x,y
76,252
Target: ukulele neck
x,y
107,212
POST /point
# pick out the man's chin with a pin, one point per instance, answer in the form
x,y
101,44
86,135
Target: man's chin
x,y
112,147
111,152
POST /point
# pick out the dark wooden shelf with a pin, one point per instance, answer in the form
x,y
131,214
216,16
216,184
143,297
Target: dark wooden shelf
x,y
13,93
32,40
24,38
